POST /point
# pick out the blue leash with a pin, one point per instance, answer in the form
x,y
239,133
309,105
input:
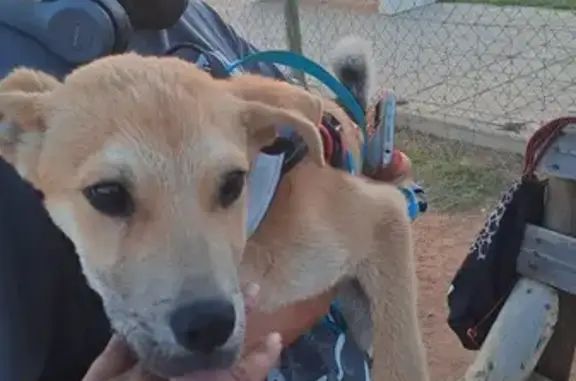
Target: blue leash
x,y
385,134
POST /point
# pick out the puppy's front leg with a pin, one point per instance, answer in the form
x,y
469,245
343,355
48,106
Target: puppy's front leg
x,y
388,278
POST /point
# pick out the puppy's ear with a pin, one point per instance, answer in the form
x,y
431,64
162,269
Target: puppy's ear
x,y
30,81
20,94
262,120
21,111
270,104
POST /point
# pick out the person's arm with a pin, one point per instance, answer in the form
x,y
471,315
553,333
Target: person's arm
x,y
223,35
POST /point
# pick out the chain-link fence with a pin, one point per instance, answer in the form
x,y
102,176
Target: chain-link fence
x,y
492,66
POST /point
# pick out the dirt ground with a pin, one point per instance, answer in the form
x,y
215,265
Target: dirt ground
x,y
442,241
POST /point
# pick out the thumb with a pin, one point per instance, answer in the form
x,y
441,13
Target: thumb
x,y
256,365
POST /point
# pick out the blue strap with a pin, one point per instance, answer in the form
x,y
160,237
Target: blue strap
x,y
334,319
412,201
350,165
303,64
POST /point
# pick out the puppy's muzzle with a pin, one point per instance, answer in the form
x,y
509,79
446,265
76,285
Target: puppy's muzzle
x,y
204,325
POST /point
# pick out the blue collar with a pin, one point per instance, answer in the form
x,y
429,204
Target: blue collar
x,y
412,201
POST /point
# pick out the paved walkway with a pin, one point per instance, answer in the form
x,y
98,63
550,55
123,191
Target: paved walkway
x,y
507,68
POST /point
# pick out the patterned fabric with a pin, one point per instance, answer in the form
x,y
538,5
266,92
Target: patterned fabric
x,y
326,353
483,241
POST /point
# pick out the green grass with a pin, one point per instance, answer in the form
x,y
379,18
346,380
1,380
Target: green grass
x,y
554,4
458,176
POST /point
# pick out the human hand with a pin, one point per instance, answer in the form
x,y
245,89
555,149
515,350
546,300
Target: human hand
x,y
117,363
292,321
262,344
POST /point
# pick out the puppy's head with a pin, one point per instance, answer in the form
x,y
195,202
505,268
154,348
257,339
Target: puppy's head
x,y
143,165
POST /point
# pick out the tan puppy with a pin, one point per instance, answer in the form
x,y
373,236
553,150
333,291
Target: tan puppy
x,y
142,162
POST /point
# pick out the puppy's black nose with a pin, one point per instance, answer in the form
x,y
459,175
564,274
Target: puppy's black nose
x,y
203,325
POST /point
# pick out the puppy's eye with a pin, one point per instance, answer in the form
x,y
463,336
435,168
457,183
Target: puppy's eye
x,y
231,187
110,198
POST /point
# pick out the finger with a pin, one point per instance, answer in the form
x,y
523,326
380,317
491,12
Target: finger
x,y
256,365
138,373
114,360
251,297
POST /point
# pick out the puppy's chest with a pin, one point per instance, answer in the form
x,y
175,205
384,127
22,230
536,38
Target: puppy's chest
x,y
294,272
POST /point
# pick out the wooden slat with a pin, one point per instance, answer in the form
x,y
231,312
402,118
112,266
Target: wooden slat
x,y
549,257
560,216
560,159
519,335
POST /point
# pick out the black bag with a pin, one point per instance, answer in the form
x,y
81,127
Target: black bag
x,y
486,277
488,273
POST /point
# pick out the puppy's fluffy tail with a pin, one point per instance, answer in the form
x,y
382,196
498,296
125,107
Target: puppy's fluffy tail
x,y
352,64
